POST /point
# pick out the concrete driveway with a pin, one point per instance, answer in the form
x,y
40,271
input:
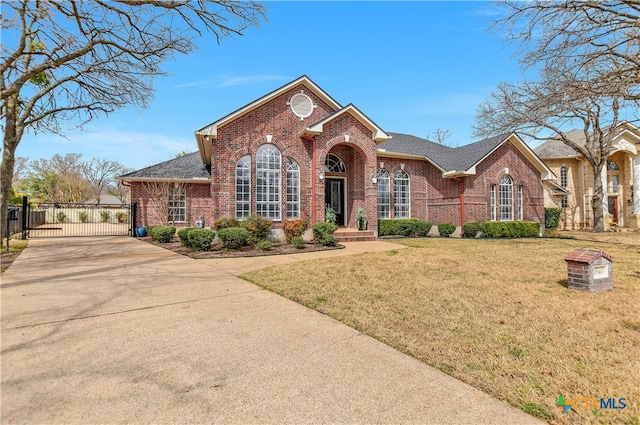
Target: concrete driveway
x,y
114,330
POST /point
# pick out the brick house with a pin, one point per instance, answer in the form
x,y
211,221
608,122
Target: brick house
x,y
295,151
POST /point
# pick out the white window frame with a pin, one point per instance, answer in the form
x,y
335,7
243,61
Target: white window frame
x,y
402,194
519,202
268,182
492,202
564,180
505,191
293,189
384,194
243,187
177,204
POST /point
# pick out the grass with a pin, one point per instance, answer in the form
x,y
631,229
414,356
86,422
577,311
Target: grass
x,y
16,246
496,314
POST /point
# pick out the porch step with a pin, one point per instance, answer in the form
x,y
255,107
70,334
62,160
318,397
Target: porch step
x,y
353,235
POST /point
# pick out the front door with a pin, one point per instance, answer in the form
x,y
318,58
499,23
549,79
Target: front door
x,y
334,198
613,209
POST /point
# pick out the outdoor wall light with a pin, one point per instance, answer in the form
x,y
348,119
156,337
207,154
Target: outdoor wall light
x,y
374,179
321,176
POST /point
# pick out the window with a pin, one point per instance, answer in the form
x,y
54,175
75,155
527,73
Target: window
x,y
177,204
243,187
384,200
293,189
615,183
333,164
401,194
519,202
564,171
492,202
506,198
268,165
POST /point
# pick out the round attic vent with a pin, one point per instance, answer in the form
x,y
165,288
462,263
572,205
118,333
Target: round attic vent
x,y
301,105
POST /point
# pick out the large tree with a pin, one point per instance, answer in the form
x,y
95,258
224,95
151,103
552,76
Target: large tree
x,y
586,55
66,62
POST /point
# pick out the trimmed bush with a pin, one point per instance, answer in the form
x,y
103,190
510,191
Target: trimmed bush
x,y
164,234
225,223
83,216
233,237
151,231
323,234
264,245
446,229
259,228
60,216
403,227
293,228
200,239
183,234
122,217
104,216
511,229
298,242
470,230
552,218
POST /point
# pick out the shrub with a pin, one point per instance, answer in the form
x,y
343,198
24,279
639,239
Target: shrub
x,y
264,245
511,229
151,231
225,222
200,239
298,242
446,229
104,216
293,228
552,217
183,234
330,215
323,234
403,226
422,228
60,216
259,228
122,217
233,237
470,230
164,234
83,216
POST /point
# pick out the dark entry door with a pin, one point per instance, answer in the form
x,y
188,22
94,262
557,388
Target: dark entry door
x,y
334,198
613,208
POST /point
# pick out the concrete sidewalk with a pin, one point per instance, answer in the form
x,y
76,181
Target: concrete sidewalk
x,y
115,330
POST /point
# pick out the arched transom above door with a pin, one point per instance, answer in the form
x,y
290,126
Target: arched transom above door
x,y
333,164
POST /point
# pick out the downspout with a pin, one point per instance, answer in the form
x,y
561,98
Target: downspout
x,y
313,178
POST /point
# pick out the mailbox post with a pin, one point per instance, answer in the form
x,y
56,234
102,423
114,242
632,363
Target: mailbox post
x,y
589,270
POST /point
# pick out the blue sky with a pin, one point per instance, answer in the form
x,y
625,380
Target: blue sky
x,y
411,67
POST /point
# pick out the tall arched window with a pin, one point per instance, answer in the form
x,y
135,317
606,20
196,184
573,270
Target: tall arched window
x,y
293,189
506,198
402,195
384,201
243,187
268,166
564,180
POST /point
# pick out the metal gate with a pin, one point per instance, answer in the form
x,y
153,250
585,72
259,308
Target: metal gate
x,y
50,220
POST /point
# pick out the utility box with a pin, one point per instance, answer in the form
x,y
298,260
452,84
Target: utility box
x,y
589,270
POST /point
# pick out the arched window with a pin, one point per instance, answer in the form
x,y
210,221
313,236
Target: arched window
x,y
268,166
293,189
564,180
333,164
402,195
243,187
384,201
506,198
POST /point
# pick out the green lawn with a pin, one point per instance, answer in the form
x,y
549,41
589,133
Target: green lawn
x,y
494,313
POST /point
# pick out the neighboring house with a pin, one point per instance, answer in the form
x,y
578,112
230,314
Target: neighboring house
x,y
574,189
296,150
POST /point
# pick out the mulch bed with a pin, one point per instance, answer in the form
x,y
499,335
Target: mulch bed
x,y
217,251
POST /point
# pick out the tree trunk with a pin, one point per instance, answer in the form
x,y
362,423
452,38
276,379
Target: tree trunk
x,y
11,139
598,197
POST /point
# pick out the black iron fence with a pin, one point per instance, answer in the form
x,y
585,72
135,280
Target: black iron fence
x,y
68,220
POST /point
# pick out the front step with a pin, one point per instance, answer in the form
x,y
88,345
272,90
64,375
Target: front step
x,y
352,235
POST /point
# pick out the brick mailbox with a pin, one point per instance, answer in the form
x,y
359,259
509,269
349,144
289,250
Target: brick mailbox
x,y
590,270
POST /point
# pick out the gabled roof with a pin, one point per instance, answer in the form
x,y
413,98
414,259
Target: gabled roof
x,y
187,168
378,134
211,130
555,148
461,161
